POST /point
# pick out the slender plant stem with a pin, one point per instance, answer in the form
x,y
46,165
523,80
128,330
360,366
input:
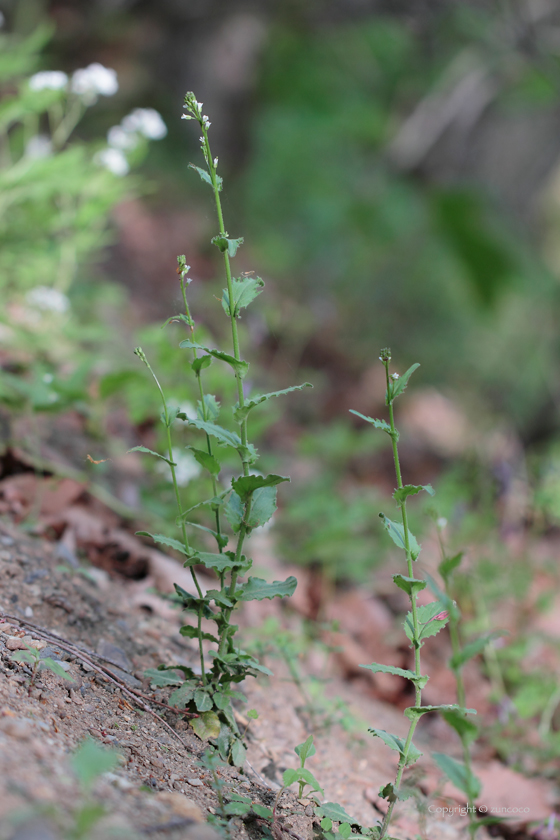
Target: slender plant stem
x,y
204,410
180,510
417,665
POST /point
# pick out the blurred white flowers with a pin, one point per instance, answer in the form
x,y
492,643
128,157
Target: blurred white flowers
x,y
39,146
145,121
118,138
48,80
48,299
186,468
93,81
125,137
114,160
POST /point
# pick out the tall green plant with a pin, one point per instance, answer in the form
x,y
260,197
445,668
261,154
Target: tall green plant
x,y
422,621
247,503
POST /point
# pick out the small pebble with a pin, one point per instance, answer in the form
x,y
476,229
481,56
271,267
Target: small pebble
x,y
195,782
18,728
180,805
28,612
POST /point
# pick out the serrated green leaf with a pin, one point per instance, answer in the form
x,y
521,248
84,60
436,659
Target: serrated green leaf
x,y
396,532
305,750
378,424
192,633
376,668
206,726
151,452
263,506
402,493
207,177
447,566
236,808
458,774
240,367
262,811
428,625
240,413
244,291
219,597
334,811
415,712
246,485
214,502
398,386
163,540
233,512
207,461
200,363
223,436
473,649
257,589
162,678
222,562
409,585
211,410
465,728
191,602
238,754
182,695
225,244
397,744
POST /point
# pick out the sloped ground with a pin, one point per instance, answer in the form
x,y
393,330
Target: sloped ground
x,y
159,789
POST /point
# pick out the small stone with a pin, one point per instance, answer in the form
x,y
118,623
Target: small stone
x,y
5,540
180,805
28,612
116,654
195,782
157,763
13,643
19,728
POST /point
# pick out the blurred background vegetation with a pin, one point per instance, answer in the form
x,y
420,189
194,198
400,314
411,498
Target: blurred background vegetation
x,y
393,167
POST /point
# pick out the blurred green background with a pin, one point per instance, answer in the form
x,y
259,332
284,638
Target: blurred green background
x,y
393,167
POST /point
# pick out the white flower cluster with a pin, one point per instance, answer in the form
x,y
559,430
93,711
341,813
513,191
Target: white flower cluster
x,y
48,80
91,82
88,83
145,122
48,299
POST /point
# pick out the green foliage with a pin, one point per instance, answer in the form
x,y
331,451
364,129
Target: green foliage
x,y
32,657
421,623
248,503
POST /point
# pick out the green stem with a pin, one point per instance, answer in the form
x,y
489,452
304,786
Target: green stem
x,y
417,665
180,509
227,266
204,412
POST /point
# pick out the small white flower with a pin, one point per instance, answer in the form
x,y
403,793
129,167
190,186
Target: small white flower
x,y
146,121
395,376
39,146
206,122
441,523
48,299
187,467
114,160
119,138
48,80
215,162
93,81
199,106
186,117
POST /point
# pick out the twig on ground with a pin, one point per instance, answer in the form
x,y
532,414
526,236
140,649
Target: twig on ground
x,y
138,698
